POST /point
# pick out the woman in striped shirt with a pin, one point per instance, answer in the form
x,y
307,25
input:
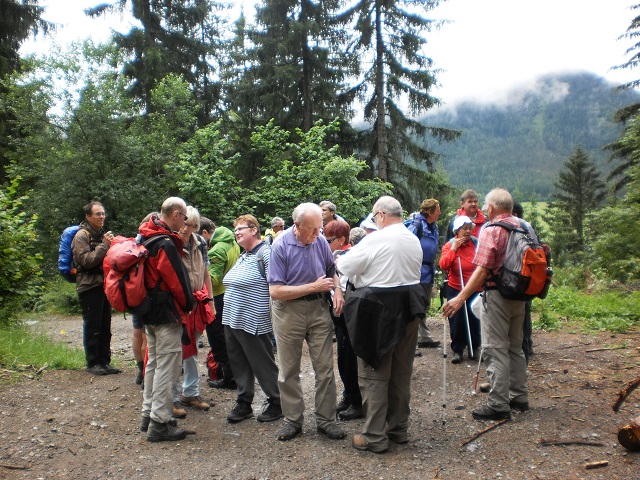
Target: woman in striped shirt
x,y
247,324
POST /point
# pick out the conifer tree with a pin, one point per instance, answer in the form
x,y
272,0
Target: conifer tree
x,y
579,192
294,70
389,38
175,37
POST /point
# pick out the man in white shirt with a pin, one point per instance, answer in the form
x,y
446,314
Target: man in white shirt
x,y
382,315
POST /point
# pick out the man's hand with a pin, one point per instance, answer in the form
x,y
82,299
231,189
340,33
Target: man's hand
x,y
452,306
338,302
107,238
323,284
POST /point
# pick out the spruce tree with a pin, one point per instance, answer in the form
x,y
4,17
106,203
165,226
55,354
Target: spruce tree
x,y
174,37
579,192
389,38
294,69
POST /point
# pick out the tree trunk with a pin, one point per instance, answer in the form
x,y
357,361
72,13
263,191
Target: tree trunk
x,y
381,131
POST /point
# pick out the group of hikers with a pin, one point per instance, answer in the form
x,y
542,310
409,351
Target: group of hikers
x,y
259,297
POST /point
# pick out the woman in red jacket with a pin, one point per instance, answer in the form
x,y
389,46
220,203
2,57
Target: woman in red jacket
x,y
457,256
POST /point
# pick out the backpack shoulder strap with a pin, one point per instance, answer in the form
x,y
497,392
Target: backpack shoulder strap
x,y
260,258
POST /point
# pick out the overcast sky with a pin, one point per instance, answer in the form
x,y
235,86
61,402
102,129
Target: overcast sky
x,y
489,47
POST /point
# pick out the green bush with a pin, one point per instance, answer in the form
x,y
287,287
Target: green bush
x,y
20,273
58,298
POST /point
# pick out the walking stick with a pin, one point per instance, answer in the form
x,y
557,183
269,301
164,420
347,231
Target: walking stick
x,y
444,371
466,314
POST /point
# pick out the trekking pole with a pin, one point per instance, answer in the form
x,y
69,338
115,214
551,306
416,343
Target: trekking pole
x,y
466,314
444,371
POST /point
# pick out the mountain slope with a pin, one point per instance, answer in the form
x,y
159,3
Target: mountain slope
x,y
522,143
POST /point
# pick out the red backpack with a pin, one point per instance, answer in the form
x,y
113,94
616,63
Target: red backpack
x,y
123,268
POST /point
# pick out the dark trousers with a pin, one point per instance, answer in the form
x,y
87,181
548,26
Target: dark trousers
x,y
458,326
96,326
252,359
215,335
347,365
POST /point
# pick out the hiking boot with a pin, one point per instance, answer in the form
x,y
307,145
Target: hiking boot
x,y
270,414
97,370
485,387
457,358
343,404
521,406
428,343
144,423
332,431
485,412
111,370
178,411
164,432
352,413
222,383
239,412
360,443
289,432
195,402
140,377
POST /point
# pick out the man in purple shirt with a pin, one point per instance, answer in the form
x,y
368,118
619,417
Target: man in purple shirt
x,y
301,275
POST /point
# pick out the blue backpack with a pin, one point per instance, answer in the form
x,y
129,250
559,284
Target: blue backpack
x,y
66,266
418,224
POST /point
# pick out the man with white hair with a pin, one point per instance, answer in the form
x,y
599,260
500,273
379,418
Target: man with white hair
x,y
501,318
382,315
301,275
171,297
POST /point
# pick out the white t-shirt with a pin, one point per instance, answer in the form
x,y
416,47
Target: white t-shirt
x,y
390,257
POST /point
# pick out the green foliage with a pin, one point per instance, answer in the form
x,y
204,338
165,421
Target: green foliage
x,y
309,171
616,245
205,176
101,149
20,347
19,260
546,319
59,297
605,310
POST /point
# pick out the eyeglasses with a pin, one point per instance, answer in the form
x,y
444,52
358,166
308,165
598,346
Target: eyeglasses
x,y
100,214
331,240
239,229
183,214
376,214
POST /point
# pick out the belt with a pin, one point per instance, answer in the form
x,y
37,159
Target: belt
x,y
310,297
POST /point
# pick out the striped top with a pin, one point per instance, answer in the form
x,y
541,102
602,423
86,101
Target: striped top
x,y
246,296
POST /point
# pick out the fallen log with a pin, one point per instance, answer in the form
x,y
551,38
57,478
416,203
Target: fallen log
x,y
481,432
554,442
604,349
624,394
9,466
629,435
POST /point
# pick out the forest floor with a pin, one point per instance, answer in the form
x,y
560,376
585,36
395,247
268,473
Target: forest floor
x,y
70,424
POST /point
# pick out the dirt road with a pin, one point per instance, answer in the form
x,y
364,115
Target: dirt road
x,y
69,424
